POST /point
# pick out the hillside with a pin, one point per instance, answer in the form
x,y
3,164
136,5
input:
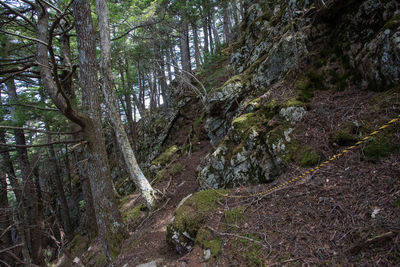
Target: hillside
x,y
291,98
282,148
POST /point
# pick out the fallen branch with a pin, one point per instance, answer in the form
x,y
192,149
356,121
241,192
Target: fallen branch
x,y
240,236
375,240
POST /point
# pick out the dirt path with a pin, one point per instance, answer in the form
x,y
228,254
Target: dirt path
x,y
147,241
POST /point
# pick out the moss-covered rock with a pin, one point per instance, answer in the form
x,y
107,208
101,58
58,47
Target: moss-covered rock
x,y
189,218
205,240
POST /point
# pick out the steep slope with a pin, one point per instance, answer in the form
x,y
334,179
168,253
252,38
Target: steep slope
x,y
309,80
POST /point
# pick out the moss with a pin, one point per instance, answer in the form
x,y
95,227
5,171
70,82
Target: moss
x,y
166,156
234,216
204,240
101,259
378,148
307,84
293,102
79,244
301,155
198,121
392,23
124,200
346,135
309,158
132,215
250,251
214,245
255,103
397,203
175,169
241,125
193,213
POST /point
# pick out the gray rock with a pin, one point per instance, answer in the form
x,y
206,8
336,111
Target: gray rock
x,y
148,264
207,254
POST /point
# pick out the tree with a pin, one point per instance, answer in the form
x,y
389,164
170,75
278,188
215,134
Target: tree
x,y
148,193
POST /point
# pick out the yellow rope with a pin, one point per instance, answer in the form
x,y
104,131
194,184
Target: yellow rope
x,y
348,149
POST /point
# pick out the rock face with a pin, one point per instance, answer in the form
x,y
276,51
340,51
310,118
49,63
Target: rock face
x,y
252,151
342,43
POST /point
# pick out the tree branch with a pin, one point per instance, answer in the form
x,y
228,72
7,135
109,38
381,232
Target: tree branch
x,y
35,130
18,69
17,13
42,145
24,37
30,106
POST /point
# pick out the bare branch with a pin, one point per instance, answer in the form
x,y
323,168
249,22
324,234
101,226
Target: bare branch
x,y
35,130
42,145
51,5
18,69
11,248
23,37
18,14
30,106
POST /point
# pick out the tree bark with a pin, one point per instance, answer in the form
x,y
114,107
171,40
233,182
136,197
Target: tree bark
x,y
148,193
30,199
5,216
185,49
109,221
79,152
58,184
197,55
205,28
213,26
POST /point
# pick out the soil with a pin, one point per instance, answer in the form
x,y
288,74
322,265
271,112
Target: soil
x,y
345,214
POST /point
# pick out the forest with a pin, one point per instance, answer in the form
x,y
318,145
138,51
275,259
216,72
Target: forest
x,y
199,133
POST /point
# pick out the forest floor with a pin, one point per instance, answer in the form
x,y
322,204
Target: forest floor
x,y
347,213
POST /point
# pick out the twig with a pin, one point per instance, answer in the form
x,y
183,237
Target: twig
x,y
151,214
378,239
286,261
240,236
11,248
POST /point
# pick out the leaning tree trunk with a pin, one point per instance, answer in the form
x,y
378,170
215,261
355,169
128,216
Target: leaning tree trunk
x,y
148,193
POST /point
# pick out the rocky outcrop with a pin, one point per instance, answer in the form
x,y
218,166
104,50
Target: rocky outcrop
x,y
253,151
330,46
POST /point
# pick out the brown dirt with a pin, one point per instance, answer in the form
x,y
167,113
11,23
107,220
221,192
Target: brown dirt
x,y
148,238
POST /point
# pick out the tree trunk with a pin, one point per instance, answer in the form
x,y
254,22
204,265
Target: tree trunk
x,y
226,22
148,193
5,216
205,28
58,184
185,50
28,189
196,46
109,221
213,26
79,151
